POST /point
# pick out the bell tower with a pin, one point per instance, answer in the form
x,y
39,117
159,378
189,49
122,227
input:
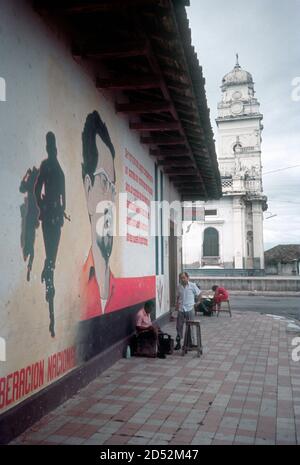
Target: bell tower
x,y
230,237
240,127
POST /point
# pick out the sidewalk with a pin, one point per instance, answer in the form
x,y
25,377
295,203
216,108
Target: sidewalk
x,y
266,293
245,389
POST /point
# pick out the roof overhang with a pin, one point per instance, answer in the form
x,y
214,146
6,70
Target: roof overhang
x,y
141,52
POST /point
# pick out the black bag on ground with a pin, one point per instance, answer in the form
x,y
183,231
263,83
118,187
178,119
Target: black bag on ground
x,y
144,344
133,344
165,343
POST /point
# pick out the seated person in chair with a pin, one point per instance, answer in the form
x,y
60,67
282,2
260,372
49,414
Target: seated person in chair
x,y
220,295
205,306
147,333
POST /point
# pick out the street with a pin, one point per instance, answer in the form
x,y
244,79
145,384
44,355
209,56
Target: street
x,y
283,306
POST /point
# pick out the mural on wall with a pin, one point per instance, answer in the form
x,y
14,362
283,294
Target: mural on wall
x,y
29,216
45,201
51,199
98,173
101,292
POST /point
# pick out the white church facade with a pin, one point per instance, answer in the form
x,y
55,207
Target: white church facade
x,y
230,235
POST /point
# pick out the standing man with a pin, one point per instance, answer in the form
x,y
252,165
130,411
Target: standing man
x,y
187,292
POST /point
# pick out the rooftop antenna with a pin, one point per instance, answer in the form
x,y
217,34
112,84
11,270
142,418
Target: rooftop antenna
x,y
237,65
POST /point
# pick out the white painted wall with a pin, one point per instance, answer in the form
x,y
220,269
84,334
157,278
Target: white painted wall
x,y
48,91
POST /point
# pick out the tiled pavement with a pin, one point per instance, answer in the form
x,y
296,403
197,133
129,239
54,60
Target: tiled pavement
x,y
245,389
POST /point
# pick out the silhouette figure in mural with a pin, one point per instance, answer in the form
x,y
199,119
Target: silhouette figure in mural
x,y
29,216
51,199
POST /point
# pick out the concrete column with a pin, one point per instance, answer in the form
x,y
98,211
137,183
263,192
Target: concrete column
x,y
258,239
238,232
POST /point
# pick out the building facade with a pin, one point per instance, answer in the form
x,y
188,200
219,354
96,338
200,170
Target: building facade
x,y
230,236
283,259
93,131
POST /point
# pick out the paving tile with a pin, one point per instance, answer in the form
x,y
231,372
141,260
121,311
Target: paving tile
x,y
97,439
116,440
56,438
229,422
264,442
244,390
73,440
248,424
239,439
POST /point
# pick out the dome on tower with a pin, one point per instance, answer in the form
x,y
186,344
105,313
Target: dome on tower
x,y
236,77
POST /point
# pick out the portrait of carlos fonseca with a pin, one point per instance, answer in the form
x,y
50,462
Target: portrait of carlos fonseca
x,y
99,179
100,291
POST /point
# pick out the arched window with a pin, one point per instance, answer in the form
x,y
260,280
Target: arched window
x,y
211,243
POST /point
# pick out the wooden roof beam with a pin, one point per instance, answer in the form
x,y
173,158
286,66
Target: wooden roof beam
x,y
143,107
154,126
153,62
129,82
184,184
190,190
171,162
119,50
99,6
183,178
193,192
176,84
186,109
156,68
181,172
176,151
181,98
163,140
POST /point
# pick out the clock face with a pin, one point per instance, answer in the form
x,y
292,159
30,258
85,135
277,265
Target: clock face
x,y
236,95
236,108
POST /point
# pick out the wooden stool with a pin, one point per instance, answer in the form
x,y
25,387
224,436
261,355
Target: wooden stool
x,y
188,338
228,310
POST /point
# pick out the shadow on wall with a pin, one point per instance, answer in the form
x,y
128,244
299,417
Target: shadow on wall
x,y
45,201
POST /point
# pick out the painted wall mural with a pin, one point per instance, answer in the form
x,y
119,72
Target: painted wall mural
x,y
29,216
138,187
45,202
101,291
65,287
51,199
108,304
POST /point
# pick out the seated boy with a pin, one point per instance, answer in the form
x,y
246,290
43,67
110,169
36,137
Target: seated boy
x,y
220,295
147,333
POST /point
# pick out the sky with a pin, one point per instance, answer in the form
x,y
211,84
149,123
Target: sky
x,y
266,35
